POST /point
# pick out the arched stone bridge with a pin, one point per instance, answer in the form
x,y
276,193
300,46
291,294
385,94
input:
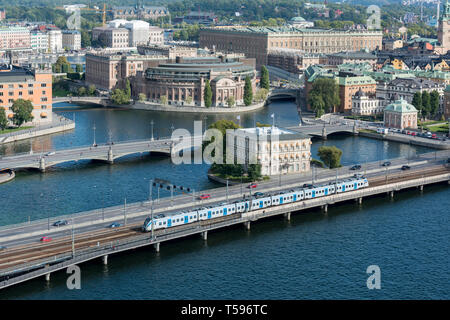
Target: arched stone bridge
x,y
96,100
282,93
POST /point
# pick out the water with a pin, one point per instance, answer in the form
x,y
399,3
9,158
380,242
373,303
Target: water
x,y
313,256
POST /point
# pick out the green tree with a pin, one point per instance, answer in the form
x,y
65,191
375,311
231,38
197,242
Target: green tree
x,y
79,68
62,65
265,78
22,110
417,101
3,119
91,90
434,103
207,95
128,89
163,100
188,100
231,102
426,103
118,96
261,94
248,91
254,171
324,96
330,156
142,97
81,91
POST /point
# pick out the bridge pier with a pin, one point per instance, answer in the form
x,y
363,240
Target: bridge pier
x,y
359,200
42,164
204,235
421,188
47,277
110,156
105,259
287,215
156,245
391,194
355,131
247,225
325,208
324,133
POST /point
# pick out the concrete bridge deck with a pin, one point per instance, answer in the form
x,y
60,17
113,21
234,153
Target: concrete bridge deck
x,y
22,261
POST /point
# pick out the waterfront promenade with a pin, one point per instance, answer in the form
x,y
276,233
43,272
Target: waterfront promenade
x,y
93,240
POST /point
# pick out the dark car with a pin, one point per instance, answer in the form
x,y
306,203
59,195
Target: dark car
x,y
386,164
307,185
115,225
405,167
60,223
259,194
448,160
356,167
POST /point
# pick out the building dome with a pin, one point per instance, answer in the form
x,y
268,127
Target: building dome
x,y
298,19
401,106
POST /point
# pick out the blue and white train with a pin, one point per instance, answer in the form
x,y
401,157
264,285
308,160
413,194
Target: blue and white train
x,y
163,221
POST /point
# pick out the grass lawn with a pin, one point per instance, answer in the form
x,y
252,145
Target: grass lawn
x,y
59,92
14,129
367,131
437,128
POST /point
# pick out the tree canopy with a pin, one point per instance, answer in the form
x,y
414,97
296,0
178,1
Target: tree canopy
x,y
330,156
324,96
248,91
22,111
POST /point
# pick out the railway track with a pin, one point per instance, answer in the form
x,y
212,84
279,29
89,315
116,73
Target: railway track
x,y
27,253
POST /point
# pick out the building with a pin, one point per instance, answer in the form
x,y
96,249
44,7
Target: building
x,y
447,102
300,22
293,61
405,88
139,32
256,42
14,38
28,84
444,30
156,36
277,150
141,12
202,18
183,82
363,56
366,105
111,37
349,86
2,14
39,40
400,114
392,44
71,39
109,71
168,51
54,39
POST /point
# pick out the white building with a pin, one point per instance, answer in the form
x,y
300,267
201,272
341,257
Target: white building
x,y
54,39
156,36
300,22
139,31
277,150
365,105
39,41
71,39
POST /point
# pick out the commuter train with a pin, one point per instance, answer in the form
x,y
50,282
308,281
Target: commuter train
x,y
164,221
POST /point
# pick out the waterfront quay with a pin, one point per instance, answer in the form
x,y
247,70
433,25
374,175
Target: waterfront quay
x,y
86,238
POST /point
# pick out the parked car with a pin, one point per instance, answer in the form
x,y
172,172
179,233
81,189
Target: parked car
x,y
386,164
46,239
50,153
356,167
434,136
307,185
115,225
405,167
252,186
204,196
60,223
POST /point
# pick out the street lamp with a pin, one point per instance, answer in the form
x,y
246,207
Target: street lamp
x,y
151,122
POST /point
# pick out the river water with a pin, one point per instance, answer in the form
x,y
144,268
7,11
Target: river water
x,y
314,256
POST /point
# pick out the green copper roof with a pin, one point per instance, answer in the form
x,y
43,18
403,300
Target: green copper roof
x,y
359,80
400,106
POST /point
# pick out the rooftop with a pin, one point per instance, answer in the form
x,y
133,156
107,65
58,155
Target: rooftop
x,y
400,106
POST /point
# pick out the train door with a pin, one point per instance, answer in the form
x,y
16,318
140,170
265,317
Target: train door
x,y
326,191
186,219
261,204
356,186
295,197
313,193
343,188
224,211
169,222
209,214
281,200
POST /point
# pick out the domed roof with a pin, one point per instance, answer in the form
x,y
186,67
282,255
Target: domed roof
x,y
401,106
298,19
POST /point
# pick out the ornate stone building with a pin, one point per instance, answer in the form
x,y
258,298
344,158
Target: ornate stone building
x,y
277,150
400,114
256,42
183,82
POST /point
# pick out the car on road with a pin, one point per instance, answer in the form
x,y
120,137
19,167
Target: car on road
x,y
258,194
448,160
50,153
46,239
357,175
204,196
114,225
60,223
386,164
434,136
356,167
307,185
252,186
405,167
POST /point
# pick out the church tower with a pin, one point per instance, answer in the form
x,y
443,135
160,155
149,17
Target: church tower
x,y
444,28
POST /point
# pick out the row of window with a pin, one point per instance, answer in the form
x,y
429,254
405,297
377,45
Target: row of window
x,y
30,85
